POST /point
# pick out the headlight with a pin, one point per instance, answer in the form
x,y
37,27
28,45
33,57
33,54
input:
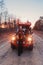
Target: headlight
x,y
2,26
29,39
13,37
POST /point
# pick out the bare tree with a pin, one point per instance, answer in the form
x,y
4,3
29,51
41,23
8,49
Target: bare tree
x,y
6,15
1,9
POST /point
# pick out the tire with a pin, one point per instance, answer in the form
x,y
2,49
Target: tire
x,y
12,46
31,47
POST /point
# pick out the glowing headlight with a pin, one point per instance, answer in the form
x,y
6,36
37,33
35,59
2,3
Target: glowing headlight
x,y
13,38
29,39
3,26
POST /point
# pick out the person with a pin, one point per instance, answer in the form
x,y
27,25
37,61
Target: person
x,y
20,44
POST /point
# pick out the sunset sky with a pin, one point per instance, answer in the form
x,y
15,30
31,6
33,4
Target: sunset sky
x,y
25,9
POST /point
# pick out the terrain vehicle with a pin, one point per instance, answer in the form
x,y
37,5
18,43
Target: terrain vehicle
x,y
24,34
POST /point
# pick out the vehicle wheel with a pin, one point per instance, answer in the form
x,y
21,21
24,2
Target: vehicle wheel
x,y
12,46
31,47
